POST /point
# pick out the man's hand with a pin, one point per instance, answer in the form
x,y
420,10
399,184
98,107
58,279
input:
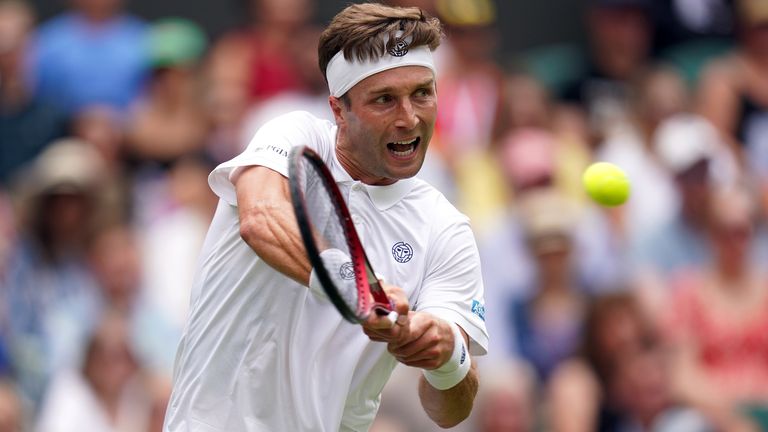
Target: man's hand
x,y
401,306
418,339
422,340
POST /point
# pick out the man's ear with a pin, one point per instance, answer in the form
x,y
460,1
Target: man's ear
x,y
338,108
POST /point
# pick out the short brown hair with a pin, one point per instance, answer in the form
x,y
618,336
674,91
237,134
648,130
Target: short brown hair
x,y
357,31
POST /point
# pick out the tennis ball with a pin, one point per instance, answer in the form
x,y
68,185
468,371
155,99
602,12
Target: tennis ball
x,y
606,183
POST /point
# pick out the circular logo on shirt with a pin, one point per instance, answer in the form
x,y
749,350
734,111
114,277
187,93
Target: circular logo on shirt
x,y
402,252
346,271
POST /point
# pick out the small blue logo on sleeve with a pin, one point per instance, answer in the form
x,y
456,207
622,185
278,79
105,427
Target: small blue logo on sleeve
x,y
478,309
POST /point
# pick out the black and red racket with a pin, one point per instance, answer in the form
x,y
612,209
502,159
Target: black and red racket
x,y
331,241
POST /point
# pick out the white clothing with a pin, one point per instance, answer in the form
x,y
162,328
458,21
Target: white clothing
x,y
261,353
654,198
71,405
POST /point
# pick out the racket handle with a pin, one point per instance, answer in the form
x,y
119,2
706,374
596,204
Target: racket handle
x,y
392,318
389,315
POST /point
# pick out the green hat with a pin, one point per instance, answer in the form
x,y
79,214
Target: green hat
x,y
176,42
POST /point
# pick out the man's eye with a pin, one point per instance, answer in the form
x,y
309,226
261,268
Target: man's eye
x,y
383,99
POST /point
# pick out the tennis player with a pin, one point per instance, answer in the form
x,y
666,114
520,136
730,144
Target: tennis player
x,y
261,351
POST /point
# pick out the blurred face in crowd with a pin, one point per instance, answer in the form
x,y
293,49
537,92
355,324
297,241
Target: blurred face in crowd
x,y
289,13
100,127
621,37
60,219
732,246
660,95
528,103
15,23
386,123
640,384
620,331
115,262
505,411
552,253
732,230
98,9
109,362
304,52
188,184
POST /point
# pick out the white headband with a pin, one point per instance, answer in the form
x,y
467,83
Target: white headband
x,y
343,75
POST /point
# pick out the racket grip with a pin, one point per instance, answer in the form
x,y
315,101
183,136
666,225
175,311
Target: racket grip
x,y
389,315
392,318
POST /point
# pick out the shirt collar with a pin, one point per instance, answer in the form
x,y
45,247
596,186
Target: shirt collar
x,y
383,197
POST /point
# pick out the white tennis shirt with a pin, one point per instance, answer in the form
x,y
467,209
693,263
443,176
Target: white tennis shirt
x,y
261,353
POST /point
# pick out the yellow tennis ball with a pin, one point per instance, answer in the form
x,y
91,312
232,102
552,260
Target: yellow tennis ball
x,y
606,183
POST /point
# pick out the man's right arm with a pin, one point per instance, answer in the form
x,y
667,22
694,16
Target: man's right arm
x,y
267,221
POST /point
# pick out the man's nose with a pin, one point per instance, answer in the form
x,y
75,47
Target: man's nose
x,y
406,115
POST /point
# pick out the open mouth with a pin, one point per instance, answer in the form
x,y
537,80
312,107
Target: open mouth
x,y
403,149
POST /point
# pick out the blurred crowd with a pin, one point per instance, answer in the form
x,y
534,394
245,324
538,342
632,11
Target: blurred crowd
x,y
652,316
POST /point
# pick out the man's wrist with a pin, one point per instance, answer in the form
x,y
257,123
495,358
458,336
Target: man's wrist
x,y
456,368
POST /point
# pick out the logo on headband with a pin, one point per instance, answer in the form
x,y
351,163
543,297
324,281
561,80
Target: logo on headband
x,y
399,49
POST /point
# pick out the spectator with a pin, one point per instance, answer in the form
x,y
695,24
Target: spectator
x,y
507,398
46,290
172,234
167,122
250,65
509,268
103,129
690,149
106,394
623,379
311,96
470,80
690,33
27,122
530,106
620,38
548,321
733,92
717,318
114,258
93,54
471,106
656,95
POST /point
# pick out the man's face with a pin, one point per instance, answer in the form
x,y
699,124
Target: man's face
x,y
386,127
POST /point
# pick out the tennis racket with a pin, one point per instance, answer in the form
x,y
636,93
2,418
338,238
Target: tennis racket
x,y
331,241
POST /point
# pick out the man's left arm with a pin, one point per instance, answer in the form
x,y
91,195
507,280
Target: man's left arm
x,y
449,407
425,341
446,326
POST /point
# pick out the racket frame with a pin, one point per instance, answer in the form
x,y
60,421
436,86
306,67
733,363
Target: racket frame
x,y
365,279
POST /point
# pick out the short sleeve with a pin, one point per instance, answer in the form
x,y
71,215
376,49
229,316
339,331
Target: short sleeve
x,y
453,286
269,147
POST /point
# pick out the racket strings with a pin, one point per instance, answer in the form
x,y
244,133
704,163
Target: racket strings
x,y
330,235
